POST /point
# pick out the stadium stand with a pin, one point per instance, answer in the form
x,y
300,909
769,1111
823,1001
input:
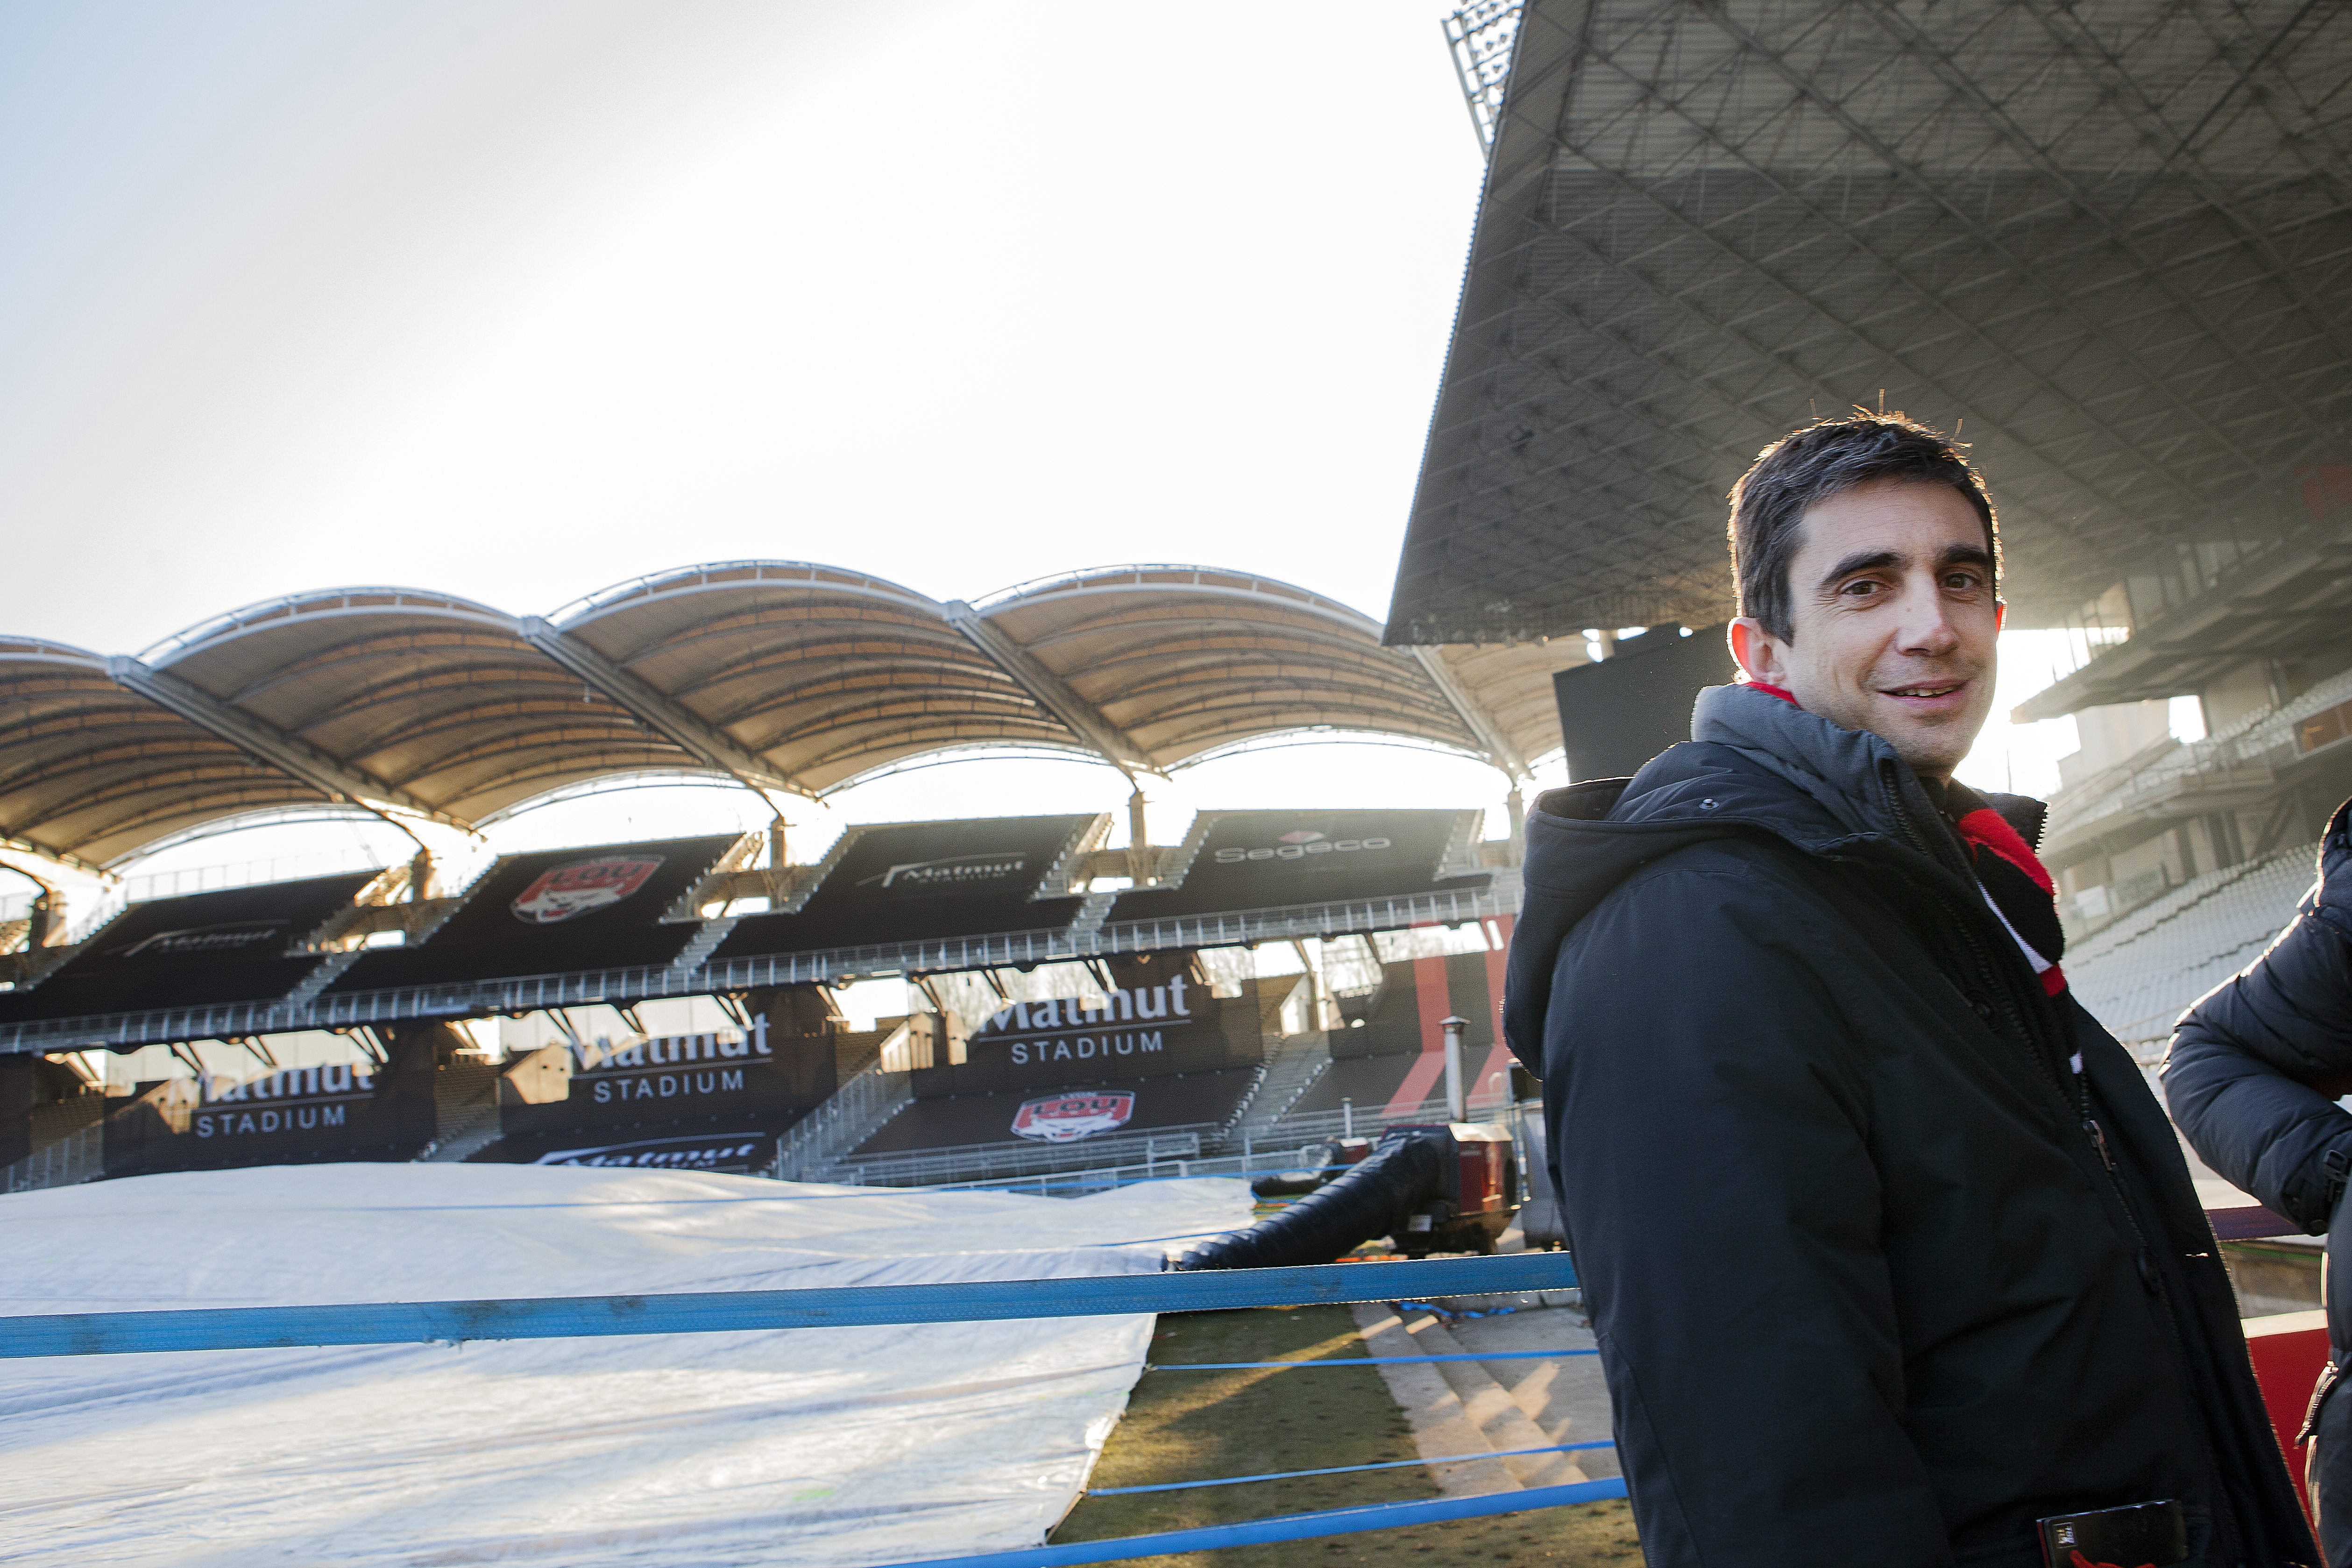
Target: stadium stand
x,y
1153,1051
610,907
923,881
2138,974
706,1101
1394,1062
200,950
1198,1101
387,1110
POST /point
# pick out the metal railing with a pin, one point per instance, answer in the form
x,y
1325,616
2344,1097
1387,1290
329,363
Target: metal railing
x,y
849,1116
1160,1153
80,1156
637,982
453,1322
1367,1120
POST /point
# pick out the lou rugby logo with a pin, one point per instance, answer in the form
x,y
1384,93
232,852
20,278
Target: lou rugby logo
x,y
1067,1117
563,891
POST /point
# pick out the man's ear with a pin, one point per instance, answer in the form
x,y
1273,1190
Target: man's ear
x,y
1760,653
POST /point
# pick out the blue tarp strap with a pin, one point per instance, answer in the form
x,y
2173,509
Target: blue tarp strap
x,y
1347,1469
712,1311
1290,1527
1358,1361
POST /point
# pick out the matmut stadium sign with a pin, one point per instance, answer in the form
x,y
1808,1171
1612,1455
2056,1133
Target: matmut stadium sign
x,y
1119,1029
952,872
291,1100
669,1066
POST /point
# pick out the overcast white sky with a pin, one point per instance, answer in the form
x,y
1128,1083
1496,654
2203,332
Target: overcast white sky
x,y
522,297
516,299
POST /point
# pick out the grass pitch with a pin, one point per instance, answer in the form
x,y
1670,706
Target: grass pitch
x,y
1191,1426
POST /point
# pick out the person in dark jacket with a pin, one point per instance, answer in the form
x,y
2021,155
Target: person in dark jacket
x,y
1890,1253
2251,1080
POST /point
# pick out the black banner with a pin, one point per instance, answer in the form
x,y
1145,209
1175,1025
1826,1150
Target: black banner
x,y
1272,860
289,1117
730,1148
922,881
748,1077
554,912
194,951
1151,1029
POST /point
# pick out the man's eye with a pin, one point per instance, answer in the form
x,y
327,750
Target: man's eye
x,y
1860,586
1963,581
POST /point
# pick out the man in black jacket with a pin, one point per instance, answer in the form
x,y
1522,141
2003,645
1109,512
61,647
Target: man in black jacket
x,y
2251,1077
1890,1253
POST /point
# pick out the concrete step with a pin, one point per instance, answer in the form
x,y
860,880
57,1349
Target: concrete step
x,y
466,1103
1442,1427
1462,1407
1290,1067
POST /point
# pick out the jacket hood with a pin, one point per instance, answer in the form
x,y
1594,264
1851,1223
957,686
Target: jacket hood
x,y
1758,766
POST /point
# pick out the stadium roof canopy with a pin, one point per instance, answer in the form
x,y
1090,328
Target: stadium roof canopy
x,y
2111,245
790,678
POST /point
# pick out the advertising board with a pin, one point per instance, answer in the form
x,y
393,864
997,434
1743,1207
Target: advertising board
x,y
1163,1019
284,1116
200,950
556,910
923,881
1274,859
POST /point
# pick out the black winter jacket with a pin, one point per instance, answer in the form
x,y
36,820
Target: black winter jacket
x,y
1866,1291
2243,1060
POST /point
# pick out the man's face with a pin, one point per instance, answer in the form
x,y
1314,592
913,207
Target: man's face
x,y
1893,618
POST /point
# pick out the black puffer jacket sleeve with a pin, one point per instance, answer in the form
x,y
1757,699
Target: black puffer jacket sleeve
x,y
2241,1074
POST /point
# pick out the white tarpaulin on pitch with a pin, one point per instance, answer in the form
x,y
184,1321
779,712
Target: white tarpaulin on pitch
x,y
805,1446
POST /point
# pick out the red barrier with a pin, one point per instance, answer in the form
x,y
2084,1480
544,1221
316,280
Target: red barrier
x,y
2288,1349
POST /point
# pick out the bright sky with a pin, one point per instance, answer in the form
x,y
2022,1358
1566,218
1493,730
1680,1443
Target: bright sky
x,y
517,299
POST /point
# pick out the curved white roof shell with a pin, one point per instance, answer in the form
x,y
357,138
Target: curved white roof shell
x,y
787,676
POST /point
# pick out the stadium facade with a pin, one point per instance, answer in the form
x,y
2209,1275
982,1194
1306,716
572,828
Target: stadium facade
x,y
670,1002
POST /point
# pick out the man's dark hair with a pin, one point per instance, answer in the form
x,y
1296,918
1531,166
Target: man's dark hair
x,y
1810,466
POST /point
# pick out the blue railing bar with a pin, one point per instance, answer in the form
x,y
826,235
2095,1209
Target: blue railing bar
x,y
1348,1469
1289,1527
714,1312
1358,1361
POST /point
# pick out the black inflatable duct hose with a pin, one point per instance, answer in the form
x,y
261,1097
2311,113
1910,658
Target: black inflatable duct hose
x,y
1369,1199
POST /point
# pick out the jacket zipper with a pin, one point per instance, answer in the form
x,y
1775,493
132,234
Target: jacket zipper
x,y
1989,973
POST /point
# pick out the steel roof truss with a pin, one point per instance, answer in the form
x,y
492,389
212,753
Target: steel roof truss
x,y
1082,718
266,742
665,717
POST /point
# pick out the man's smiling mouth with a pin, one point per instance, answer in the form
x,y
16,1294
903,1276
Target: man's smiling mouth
x,y
1944,688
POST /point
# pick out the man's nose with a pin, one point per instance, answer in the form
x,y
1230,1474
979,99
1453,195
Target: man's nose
x,y
1926,628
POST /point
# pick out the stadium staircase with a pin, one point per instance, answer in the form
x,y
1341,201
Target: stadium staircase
x,y
1293,1063
812,1149
465,1103
706,942
318,979
69,1146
